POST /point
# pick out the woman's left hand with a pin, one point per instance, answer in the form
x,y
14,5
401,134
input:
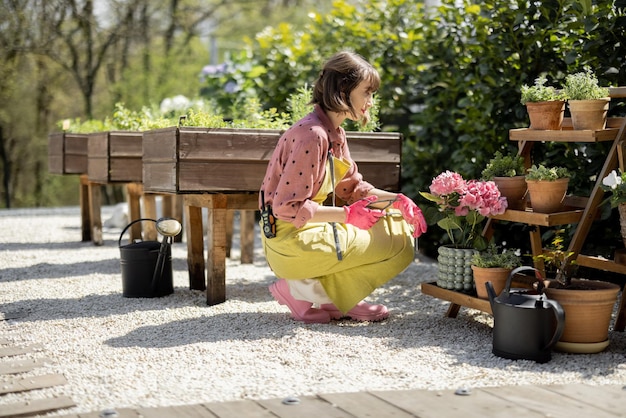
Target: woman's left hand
x,y
411,213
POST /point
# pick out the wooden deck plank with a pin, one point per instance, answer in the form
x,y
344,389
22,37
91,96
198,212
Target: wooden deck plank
x,y
309,407
178,411
546,402
608,398
36,406
21,366
30,383
364,404
121,413
436,404
238,409
16,351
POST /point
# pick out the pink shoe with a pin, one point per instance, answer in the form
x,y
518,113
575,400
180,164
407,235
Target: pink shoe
x,y
300,309
361,312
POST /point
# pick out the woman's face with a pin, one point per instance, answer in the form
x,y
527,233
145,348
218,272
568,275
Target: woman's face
x,y
361,100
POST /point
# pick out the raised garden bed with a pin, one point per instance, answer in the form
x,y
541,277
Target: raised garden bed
x,y
200,160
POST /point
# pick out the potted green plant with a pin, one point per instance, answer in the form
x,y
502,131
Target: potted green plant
x,y
588,304
507,171
493,265
547,187
588,102
545,105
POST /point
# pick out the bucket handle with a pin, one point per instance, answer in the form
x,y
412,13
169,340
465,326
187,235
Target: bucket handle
x,y
119,241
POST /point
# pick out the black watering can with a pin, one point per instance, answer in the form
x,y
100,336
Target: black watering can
x,y
525,325
147,265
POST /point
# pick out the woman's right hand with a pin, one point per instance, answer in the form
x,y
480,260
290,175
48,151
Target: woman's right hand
x,y
359,215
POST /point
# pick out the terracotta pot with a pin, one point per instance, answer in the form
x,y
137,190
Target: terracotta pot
x,y
589,114
587,314
547,196
496,275
546,115
514,189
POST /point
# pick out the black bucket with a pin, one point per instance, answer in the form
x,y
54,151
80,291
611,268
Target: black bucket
x,y
141,276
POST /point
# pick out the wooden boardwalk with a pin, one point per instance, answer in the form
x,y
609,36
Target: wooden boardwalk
x,y
567,401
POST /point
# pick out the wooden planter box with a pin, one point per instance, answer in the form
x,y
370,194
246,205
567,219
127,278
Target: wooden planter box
x,y
196,160
67,153
115,157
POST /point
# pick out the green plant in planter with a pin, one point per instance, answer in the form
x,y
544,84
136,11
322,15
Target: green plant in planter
x,y
504,166
543,173
558,262
493,258
583,86
539,92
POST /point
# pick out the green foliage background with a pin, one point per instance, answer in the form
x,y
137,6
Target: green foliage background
x,y
451,80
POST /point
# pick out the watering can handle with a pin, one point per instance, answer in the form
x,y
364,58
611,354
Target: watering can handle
x,y
507,287
119,241
560,321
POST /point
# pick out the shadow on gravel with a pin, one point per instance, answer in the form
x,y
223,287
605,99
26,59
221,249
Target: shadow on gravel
x,y
104,305
59,271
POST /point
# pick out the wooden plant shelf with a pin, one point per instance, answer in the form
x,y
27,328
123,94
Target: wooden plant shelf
x,y
565,135
600,263
457,299
541,219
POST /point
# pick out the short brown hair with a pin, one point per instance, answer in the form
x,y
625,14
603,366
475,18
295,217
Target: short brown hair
x,y
341,74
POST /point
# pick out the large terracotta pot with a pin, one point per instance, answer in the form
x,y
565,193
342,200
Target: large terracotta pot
x,y
589,114
546,115
587,314
547,196
455,268
514,189
496,275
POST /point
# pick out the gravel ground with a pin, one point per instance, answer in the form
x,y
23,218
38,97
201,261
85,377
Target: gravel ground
x,y
128,352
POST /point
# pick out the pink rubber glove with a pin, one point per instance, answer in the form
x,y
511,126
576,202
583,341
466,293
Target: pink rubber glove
x,y
359,215
411,213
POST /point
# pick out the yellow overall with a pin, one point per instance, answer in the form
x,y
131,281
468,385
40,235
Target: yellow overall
x,y
370,257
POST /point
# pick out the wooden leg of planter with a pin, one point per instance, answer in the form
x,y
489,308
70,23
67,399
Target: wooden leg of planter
x,y
149,206
229,225
95,206
216,251
172,208
195,247
133,196
85,210
246,231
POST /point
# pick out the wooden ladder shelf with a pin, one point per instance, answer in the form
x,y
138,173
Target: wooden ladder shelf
x,y
579,210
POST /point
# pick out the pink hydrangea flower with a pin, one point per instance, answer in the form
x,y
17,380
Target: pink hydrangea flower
x,y
447,183
454,195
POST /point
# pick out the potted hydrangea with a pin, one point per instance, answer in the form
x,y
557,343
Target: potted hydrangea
x,y
461,206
